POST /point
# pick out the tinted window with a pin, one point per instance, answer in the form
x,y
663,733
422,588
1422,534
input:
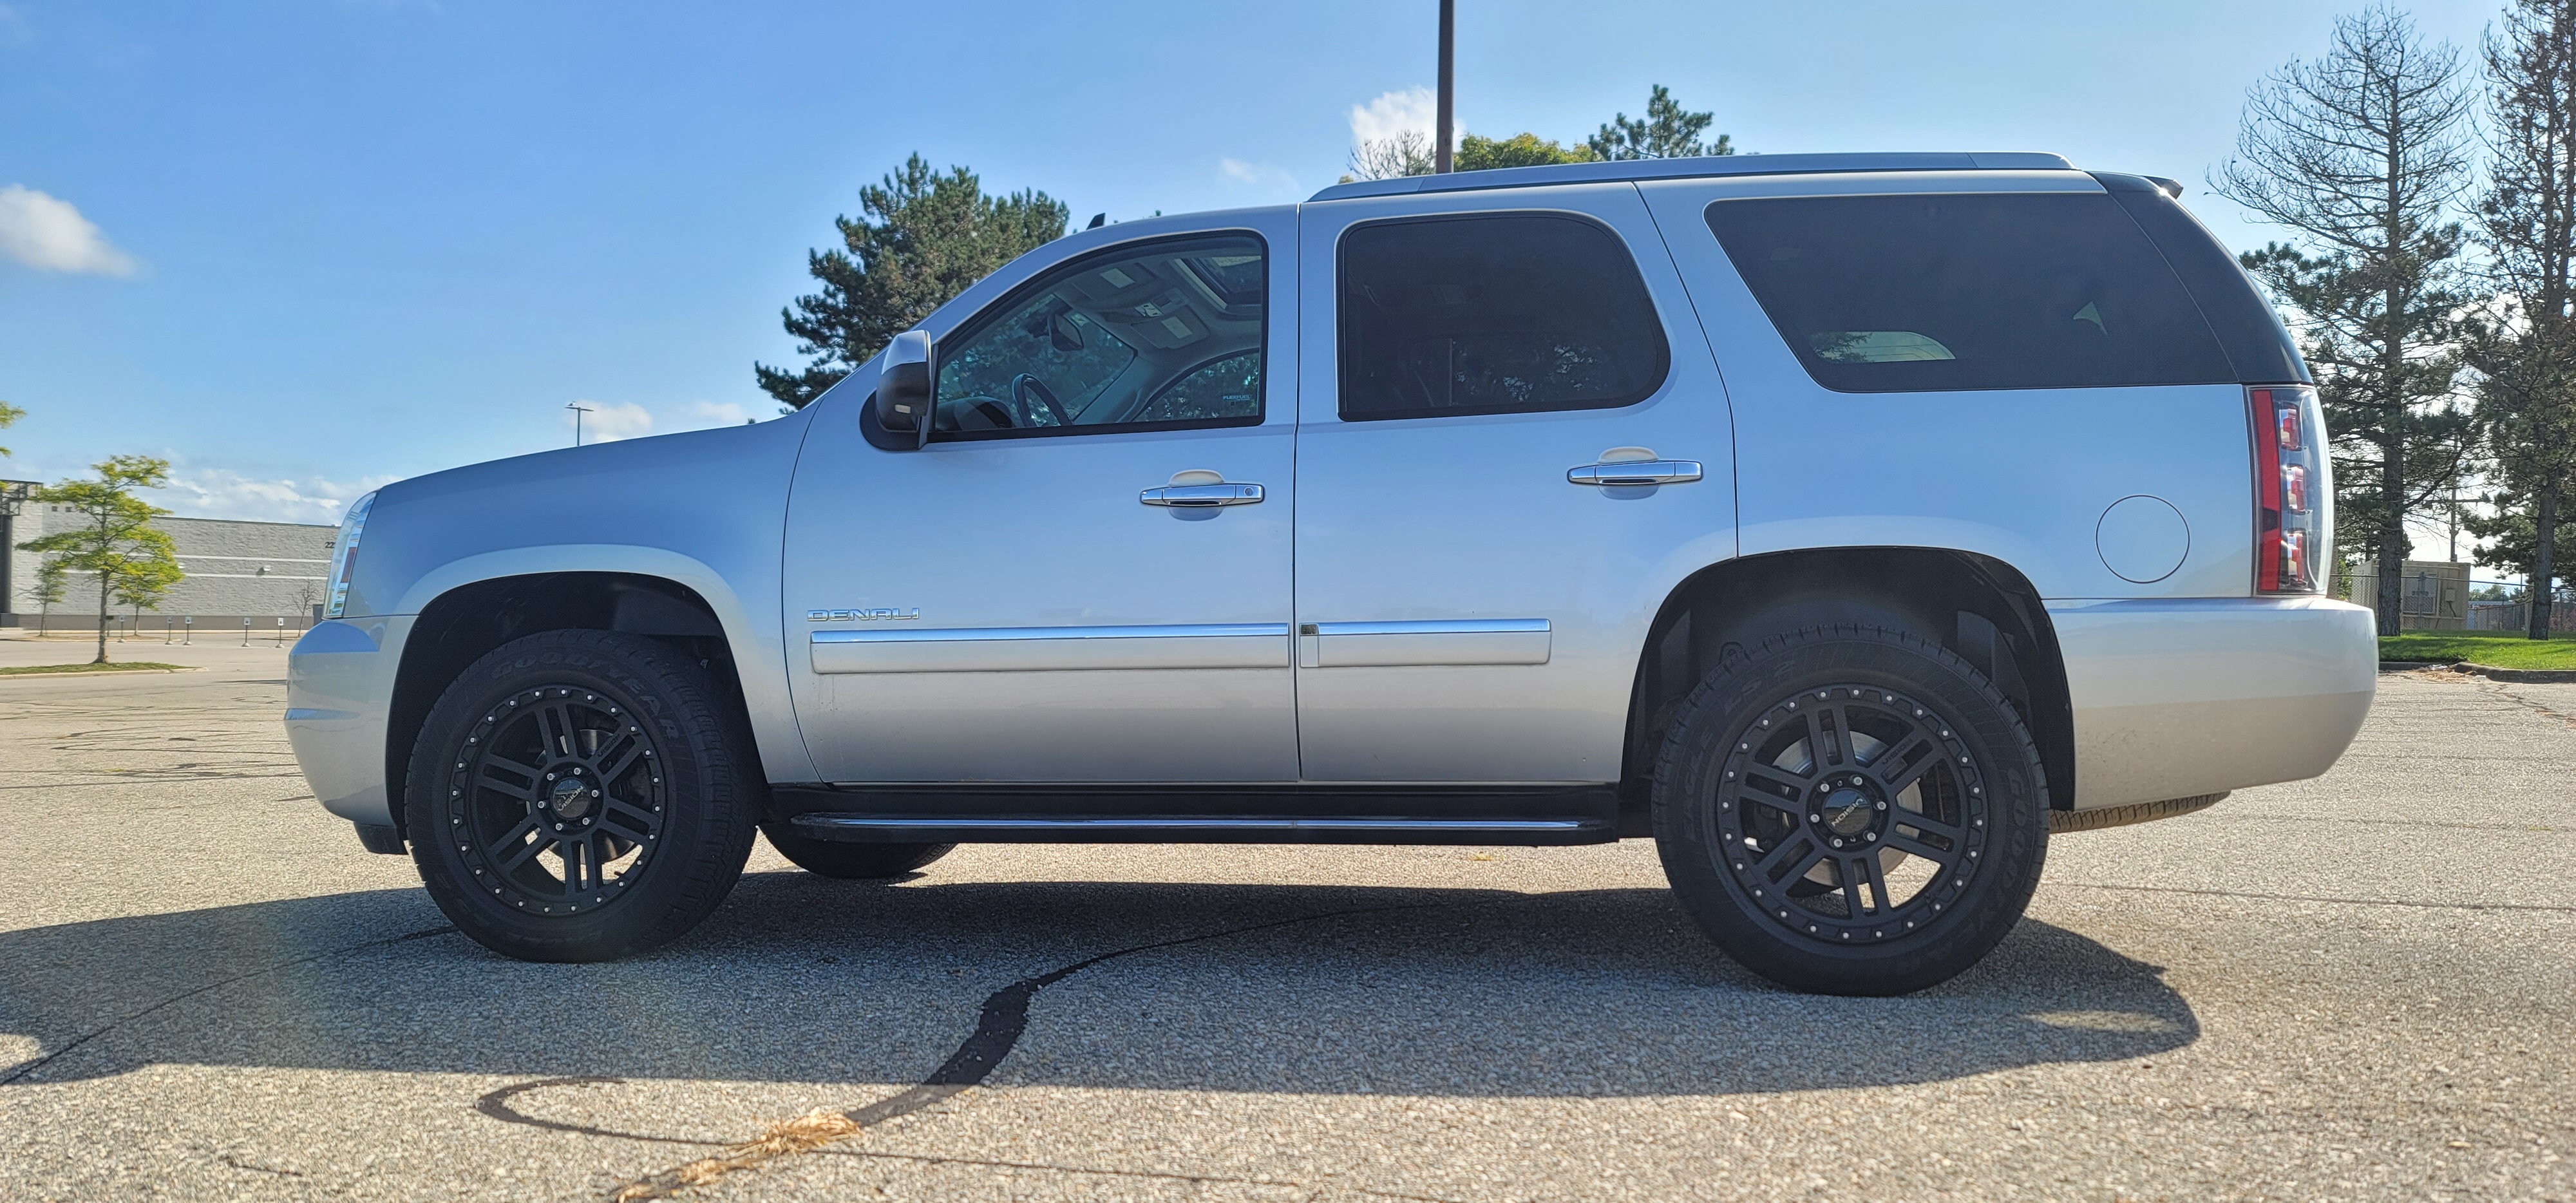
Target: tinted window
x,y
1908,293
1480,315
1228,388
1163,335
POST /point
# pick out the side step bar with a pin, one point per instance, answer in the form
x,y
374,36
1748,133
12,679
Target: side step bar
x,y
1199,829
1203,814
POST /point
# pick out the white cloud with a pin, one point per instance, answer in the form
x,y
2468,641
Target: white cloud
x,y
50,235
608,422
716,413
221,493
1261,177
1393,113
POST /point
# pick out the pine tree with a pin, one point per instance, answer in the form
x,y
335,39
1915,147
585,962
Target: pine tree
x,y
921,239
1668,131
2527,225
2362,154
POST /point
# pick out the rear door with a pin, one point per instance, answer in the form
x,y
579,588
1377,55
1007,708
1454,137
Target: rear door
x,y
1468,611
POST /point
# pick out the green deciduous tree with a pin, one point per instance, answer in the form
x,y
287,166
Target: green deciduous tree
x,y
2362,154
1477,153
135,563
2526,222
9,414
1667,131
50,588
923,236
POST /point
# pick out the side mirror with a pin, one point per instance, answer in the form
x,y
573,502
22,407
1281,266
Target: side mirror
x,y
903,388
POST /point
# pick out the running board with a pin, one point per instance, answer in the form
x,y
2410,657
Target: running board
x,y
1201,814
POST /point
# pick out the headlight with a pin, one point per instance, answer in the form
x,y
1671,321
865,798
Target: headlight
x,y
344,554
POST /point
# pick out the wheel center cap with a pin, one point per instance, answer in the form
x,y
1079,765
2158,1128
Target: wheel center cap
x,y
570,797
1847,812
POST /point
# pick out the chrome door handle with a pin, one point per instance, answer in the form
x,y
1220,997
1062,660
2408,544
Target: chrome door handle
x,y
1639,472
1191,497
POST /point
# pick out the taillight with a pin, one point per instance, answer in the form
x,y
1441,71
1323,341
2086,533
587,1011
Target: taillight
x,y
2293,490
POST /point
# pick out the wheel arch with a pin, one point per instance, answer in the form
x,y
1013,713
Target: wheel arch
x,y
462,623
1976,605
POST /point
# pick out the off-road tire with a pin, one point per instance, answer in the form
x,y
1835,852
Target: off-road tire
x,y
1715,825
683,798
850,861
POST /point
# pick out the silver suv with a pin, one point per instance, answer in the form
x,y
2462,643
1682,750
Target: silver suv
x,y
1845,524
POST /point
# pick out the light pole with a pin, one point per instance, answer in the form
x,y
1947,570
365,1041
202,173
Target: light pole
x,y
578,409
1441,160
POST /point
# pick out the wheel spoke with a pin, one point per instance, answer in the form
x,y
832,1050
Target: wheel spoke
x,y
1800,852
1872,875
484,776
629,750
1820,752
1897,784
556,721
1921,822
1894,754
1914,847
522,852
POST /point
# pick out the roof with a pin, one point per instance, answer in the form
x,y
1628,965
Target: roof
x,y
1665,169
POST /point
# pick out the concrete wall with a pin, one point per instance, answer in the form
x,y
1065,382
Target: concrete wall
x,y
261,570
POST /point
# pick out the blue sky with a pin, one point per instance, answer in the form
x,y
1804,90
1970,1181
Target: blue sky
x,y
300,247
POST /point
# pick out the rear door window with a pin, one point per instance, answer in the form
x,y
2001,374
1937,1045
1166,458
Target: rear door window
x,y
1493,313
1925,293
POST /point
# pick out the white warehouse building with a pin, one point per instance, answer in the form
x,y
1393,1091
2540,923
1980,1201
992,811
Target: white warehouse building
x,y
268,572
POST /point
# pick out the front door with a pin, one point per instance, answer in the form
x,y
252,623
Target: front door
x,y
1513,444
1084,576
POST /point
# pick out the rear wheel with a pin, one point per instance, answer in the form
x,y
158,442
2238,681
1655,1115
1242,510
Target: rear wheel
x,y
579,796
849,861
1851,810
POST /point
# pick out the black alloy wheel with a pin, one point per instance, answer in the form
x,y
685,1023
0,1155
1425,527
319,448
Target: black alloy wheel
x,y
579,796
1851,811
850,860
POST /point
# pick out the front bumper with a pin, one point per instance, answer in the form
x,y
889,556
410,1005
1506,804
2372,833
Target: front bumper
x,y
2188,696
339,687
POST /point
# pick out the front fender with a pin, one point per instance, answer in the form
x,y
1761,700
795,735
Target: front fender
x,y
751,630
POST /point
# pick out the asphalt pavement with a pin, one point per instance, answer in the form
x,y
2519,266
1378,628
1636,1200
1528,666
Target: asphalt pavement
x,y
2355,987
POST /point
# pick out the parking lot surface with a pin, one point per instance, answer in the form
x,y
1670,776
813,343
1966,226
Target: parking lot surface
x,y
2362,986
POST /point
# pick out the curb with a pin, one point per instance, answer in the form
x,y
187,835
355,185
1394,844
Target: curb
x,y
2522,676
2527,676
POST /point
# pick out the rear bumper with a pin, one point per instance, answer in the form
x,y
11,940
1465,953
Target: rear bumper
x,y
339,686
2175,698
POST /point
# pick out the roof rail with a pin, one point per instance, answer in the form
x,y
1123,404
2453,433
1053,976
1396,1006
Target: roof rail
x,y
1666,169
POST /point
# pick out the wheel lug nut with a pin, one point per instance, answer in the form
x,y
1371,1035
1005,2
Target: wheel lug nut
x,y
1815,818
1873,836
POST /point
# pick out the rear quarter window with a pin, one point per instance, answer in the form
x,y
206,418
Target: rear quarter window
x,y
1927,293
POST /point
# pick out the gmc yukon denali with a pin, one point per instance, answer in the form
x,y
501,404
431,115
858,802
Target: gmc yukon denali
x,y
1848,525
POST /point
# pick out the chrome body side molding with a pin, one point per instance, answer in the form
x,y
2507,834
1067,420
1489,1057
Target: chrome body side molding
x,y
1431,642
1042,649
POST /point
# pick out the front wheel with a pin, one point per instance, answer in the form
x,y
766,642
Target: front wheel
x,y
1851,810
579,796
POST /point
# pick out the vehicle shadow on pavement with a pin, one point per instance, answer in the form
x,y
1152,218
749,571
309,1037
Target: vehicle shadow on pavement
x,y
1318,989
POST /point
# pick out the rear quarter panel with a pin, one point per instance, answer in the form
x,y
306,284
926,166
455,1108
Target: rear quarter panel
x,y
2024,476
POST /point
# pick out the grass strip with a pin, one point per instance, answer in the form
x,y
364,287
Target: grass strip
x,y
113,666
2500,651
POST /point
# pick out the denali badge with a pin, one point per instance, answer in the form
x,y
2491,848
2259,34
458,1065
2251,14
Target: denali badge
x,y
881,614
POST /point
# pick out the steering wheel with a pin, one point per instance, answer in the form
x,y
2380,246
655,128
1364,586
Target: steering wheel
x,y
1024,384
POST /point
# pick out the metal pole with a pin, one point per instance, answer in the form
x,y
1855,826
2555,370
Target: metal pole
x,y
578,409
1441,158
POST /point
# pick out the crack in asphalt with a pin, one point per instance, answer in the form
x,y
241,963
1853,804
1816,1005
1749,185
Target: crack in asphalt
x,y
22,1071
2526,703
2434,906
496,1105
998,1027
